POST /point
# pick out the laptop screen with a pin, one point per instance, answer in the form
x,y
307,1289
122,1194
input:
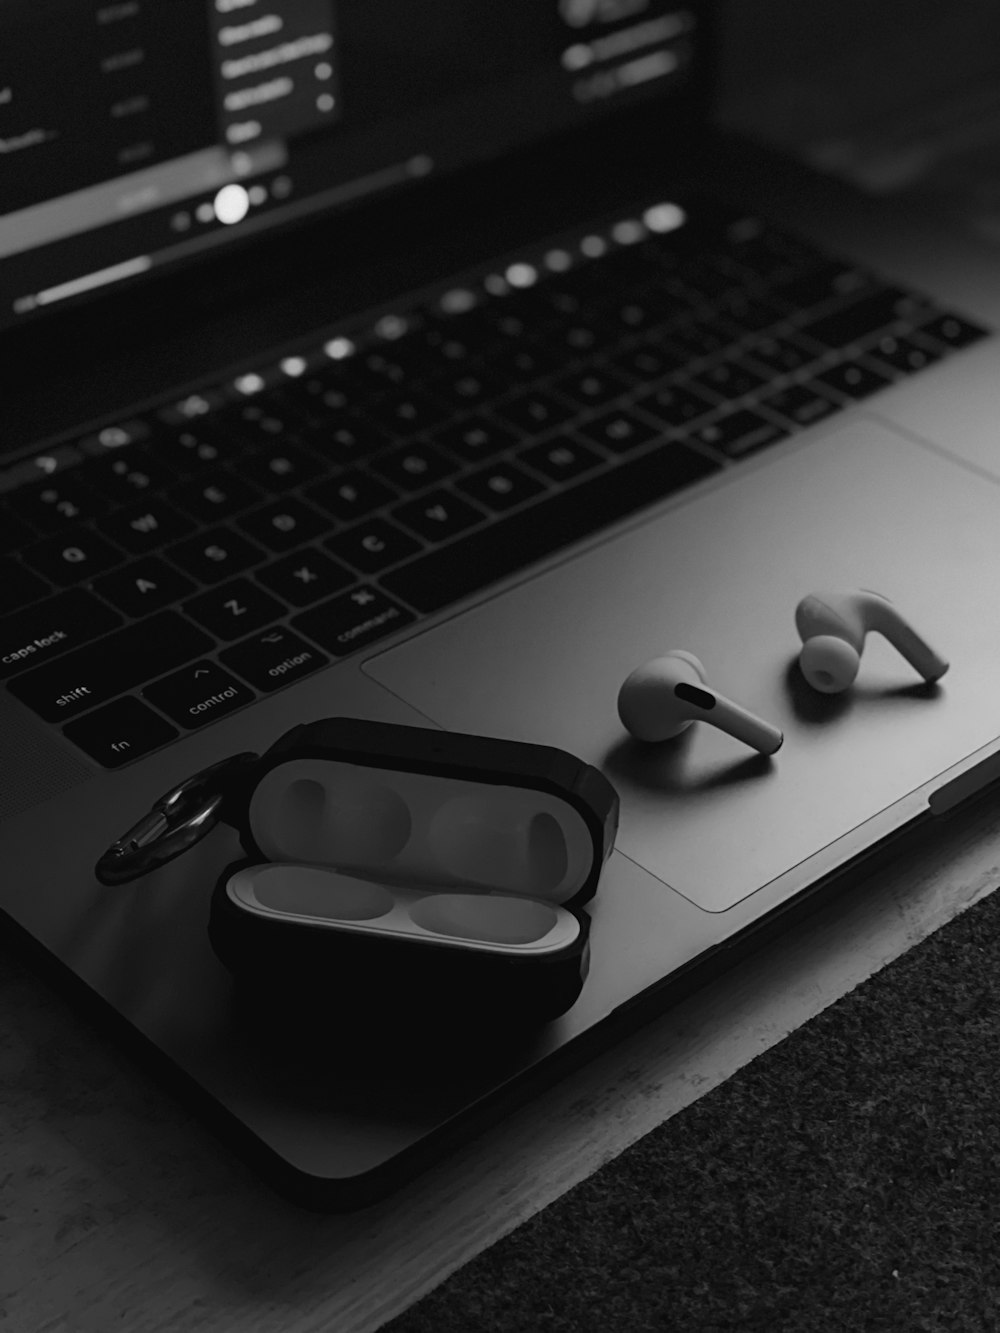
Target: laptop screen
x,y
136,134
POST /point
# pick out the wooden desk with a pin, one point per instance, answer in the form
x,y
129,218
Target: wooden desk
x,y
118,1211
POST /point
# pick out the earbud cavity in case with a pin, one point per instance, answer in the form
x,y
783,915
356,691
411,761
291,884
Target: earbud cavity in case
x,y
395,869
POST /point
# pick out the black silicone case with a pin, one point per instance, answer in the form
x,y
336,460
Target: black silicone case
x,y
327,971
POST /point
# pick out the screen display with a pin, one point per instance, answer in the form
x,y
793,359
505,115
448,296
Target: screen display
x,y
141,133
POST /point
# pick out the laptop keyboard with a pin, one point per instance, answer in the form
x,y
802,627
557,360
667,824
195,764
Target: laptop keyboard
x,y
167,570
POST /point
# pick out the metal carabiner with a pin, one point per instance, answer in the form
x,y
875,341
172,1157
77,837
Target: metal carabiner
x,y
176,822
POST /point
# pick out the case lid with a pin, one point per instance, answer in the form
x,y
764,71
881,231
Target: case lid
x,y
411,805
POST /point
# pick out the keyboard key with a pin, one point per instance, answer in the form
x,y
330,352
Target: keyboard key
x,y
348,440
15,533
728,380
217,495
194,450
372,546
279,467
146,526
470,388
473,562
198,694
581,337
304,577
701,338
620,431
707,278
59,504
123,660
216,555
499,322
143,586
284,524
77,556
407,413
327,396
45,629
519,362
352,621
677,404
259,419
749,314
274,658
438,515
591,387
19,586
476,438
120,732
647,362
391,364
826,281
953,331
781,354
642,311
446,346
351,496
764,251
129,474
500,486
414,466
561,458
567,295
800,403
903,353
853,379
234,609
861,320
535,411
738,433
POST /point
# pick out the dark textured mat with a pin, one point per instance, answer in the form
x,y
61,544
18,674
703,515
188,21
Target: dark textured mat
x,y
847,1179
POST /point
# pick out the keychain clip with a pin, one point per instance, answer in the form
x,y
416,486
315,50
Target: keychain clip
x,y
176,822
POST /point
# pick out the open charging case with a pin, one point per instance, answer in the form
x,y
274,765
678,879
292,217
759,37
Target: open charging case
x,y
391,867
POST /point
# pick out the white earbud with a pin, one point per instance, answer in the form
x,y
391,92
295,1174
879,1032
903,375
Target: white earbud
x,y
662,698
832,627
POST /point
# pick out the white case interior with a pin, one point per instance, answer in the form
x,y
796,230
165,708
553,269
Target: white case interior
x,y
420,830
319,896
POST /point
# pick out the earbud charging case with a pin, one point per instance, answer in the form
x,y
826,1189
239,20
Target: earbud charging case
x,y
395,868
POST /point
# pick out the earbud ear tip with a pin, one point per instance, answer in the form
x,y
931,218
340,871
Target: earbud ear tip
x,y
829,664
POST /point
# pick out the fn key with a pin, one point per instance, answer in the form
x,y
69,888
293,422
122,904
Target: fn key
x,y
120,732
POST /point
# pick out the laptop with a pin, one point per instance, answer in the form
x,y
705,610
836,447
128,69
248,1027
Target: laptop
x,y
439,366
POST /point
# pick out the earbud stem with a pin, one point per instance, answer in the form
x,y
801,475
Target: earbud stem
x,y
729,717
886,620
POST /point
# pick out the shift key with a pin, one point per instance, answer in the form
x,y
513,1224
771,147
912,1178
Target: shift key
x,y
89,676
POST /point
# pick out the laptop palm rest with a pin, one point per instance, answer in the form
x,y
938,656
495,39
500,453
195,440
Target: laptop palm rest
x,y
857,506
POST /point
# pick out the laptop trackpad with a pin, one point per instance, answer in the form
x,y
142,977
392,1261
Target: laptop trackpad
x,y
859,506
